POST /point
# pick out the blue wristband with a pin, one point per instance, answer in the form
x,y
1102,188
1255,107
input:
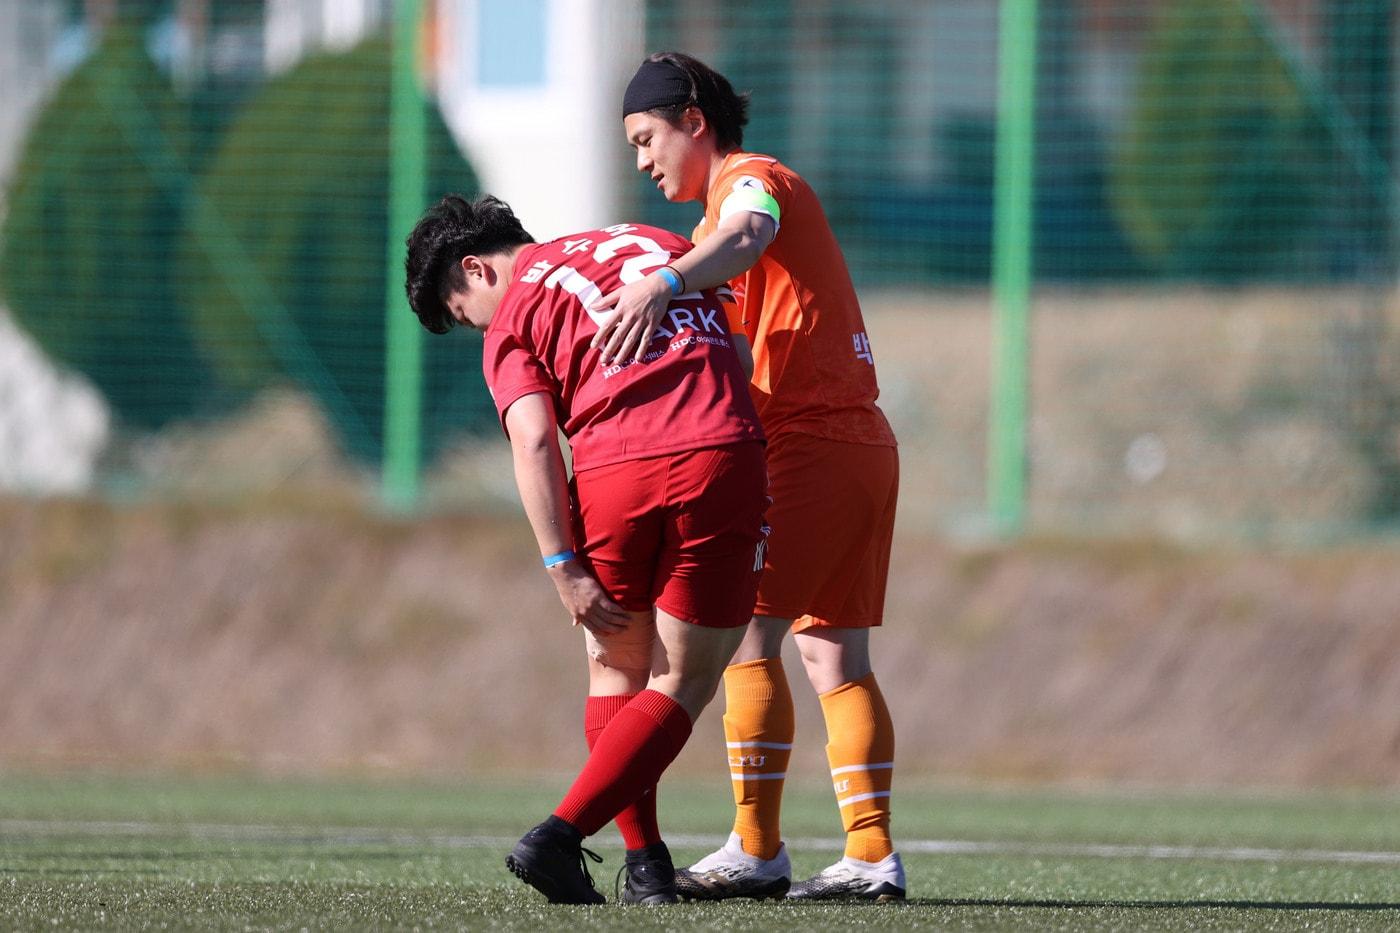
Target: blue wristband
x,y
672,277
554,560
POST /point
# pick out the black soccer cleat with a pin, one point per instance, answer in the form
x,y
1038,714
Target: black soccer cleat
x,y
551,859
651,876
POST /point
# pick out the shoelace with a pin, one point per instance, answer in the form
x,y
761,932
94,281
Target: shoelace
x,y
617,882
583,856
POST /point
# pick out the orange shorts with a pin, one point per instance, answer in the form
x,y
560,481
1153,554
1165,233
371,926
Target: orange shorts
x,y
833,519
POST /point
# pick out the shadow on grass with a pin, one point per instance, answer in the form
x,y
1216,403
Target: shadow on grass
x,y
1054,904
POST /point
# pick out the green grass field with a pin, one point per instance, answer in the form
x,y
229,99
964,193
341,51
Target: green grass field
x,y
105,853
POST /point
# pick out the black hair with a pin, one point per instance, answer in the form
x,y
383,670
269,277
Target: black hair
x,y
726,111
452,228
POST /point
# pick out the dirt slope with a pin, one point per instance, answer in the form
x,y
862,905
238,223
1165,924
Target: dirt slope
x,y
314,639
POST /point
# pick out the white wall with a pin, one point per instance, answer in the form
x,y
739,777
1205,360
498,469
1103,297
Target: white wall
x,y
53,426
295,28
28,33
554,151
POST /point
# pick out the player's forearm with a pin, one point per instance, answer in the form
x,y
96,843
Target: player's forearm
x,y
724,255
544,491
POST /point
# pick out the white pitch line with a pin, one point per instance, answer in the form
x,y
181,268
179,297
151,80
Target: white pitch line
x,y
1093,850
250,832
366,836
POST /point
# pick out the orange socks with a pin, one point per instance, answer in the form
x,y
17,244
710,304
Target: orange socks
x,y
860,748
758,727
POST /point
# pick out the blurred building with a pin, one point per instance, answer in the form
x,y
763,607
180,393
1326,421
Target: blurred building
x,y
520,83
532,87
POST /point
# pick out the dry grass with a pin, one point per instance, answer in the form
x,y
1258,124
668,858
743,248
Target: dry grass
x,y
268,617
1185,414
324,639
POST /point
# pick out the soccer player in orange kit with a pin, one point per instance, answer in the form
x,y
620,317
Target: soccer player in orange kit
x,y
833,474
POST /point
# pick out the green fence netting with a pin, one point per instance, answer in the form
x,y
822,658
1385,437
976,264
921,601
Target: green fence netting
x,y
1213,328
1213,340
190,241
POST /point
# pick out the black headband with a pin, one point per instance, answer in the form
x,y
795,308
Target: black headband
x,y
656,84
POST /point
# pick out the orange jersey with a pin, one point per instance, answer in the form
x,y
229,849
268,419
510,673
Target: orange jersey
x,y
813,368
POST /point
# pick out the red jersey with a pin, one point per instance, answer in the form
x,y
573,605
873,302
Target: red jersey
x,y
814,370
688,391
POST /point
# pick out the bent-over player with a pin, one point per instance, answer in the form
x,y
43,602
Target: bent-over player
x,y
656,546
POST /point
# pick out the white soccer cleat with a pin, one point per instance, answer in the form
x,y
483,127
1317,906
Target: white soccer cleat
x,y
732,872
853,880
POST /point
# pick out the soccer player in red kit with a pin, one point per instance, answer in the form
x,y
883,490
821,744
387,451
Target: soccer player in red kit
x,y
656,545
833,472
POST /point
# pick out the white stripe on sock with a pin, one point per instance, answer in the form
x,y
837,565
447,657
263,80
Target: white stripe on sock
x,y
859,797
759,744
872,767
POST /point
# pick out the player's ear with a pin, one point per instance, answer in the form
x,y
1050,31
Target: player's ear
x,y
693,122
473,269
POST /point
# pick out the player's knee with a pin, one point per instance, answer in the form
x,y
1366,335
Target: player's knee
x,y
833,657
624,656
761,642
693,690
609,681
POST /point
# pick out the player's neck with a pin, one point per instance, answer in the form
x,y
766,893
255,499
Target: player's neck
x,y
507,267
717,160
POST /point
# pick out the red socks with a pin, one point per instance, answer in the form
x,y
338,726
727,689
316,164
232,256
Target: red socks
x,y
637,822
630,754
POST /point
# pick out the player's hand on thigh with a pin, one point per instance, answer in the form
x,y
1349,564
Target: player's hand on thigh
x,y
583,596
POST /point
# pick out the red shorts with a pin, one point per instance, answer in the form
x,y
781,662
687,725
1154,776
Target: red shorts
x,y
833,521
682,532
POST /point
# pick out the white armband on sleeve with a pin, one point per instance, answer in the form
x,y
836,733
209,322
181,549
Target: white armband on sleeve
x,y
755,200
